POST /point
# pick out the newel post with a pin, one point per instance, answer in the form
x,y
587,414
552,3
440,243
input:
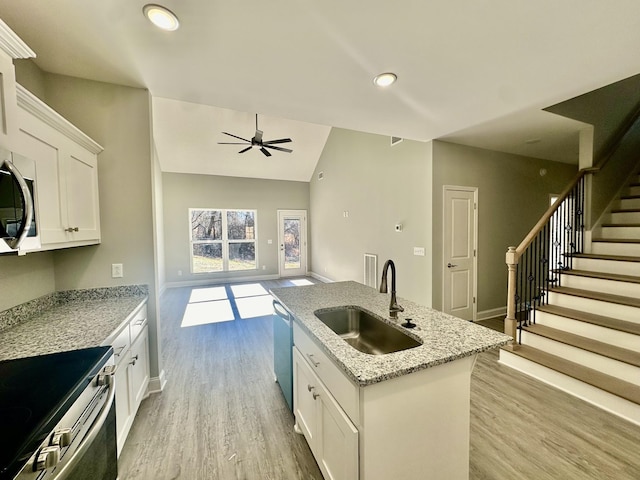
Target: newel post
x,y
510,321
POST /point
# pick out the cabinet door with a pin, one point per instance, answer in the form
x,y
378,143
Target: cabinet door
x,y
81,179
338,438
123,403
304,404
139,368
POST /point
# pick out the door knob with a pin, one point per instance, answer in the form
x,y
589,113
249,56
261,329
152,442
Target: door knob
x,y
451,265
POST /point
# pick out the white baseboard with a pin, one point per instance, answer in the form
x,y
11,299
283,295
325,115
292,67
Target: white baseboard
x,y
157,384
217,281
494,312
319,277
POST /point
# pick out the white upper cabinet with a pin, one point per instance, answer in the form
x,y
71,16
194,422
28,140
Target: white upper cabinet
x,y
66,174
11,47
67,204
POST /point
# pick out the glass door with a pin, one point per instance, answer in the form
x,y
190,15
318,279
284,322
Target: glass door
x,y
292,240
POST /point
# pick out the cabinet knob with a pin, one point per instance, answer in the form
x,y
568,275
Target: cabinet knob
x,y
133,360
315,395
47,457
72,229
310,388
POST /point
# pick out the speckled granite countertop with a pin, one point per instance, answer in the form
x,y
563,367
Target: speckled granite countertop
x,y
445,338
67,320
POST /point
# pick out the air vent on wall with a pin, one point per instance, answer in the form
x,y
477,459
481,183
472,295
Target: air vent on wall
x,y
371,270
395,140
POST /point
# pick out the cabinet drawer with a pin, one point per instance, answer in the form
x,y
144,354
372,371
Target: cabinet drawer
x,y
121,345
138,322
344,391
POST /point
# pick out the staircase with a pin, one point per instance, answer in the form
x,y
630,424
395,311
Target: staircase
x,y
584,338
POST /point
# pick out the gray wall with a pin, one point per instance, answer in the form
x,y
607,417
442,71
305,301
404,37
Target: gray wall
x,y
379,186
511,198
25,278
184,191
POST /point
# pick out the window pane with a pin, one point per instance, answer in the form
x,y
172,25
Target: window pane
x,y
242,256
207,257
240,225
206,225
291,243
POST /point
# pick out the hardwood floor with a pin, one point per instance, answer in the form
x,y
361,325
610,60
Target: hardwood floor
x,y
222,416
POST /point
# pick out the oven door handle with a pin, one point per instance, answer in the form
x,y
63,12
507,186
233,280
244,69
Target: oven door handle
x,y
64,472
27,214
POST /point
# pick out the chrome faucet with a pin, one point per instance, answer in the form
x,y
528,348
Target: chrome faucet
x,y
394,308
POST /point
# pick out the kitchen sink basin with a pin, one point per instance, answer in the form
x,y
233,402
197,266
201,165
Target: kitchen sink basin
x,y
365,331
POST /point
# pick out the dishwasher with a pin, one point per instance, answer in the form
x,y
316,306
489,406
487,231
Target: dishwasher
x,y
283,351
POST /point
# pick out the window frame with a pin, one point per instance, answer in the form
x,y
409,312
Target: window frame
x,y
225,242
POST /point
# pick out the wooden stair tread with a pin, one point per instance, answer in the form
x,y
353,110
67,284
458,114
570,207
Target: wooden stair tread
x,y
625,210
587,375
605,297
588,344
592,318
601,275
601,256
617,225
617,240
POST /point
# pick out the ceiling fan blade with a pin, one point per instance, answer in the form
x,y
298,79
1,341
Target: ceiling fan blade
x,y
245,149
280,149
280,140
235,136
232,143
265,151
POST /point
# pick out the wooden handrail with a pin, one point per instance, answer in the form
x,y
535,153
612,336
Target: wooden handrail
x,y
549,213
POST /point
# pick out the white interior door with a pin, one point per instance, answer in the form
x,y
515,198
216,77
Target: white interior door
x,y
459,251
292,242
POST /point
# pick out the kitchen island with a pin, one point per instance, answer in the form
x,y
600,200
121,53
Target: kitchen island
x,y
398,415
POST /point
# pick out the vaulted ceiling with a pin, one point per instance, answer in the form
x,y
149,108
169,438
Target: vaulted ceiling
x,y
466,68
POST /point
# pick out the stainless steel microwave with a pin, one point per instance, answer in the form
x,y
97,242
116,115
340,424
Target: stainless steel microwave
x,y
18,228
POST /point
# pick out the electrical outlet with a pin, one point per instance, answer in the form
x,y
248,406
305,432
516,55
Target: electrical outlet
x,y
419,251
179,273
116,270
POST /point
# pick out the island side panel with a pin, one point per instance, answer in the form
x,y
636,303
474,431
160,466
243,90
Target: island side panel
x,y
417,426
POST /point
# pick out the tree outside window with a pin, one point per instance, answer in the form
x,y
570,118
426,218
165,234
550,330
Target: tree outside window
x,y
222,240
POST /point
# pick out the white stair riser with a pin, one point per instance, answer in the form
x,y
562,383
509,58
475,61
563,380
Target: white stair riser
x,y
626,289
619,232
597,307
614,368
606,266
589,330
624,217
611,403
635,190
627,203
609,248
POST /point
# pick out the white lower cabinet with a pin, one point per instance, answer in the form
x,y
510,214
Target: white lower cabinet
x,y
131,349
332,437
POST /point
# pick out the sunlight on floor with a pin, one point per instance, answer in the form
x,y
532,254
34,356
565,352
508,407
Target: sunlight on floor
x,y
248,290
252,307
207,294
202,313
300,282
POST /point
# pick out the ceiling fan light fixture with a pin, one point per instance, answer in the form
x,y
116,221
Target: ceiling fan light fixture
x,y
161,17
385,79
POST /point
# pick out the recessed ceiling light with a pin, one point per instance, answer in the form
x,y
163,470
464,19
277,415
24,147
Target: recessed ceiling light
x,y
161,17
385,79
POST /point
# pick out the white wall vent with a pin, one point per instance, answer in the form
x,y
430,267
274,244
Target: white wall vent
x,y
395,140
320,175
371,270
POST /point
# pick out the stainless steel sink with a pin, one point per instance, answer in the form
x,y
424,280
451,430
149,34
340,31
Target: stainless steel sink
x,y
365,332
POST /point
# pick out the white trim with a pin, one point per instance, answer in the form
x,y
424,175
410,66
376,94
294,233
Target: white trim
x,y
156,384
217,281
12,44
32,104
319,277
474,190
491,313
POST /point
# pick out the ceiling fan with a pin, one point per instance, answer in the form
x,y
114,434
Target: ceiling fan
x,y
257,142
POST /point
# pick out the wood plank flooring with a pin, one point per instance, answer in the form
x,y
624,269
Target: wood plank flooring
x,y
222,416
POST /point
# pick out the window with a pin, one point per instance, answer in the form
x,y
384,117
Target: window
x,y
222,240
